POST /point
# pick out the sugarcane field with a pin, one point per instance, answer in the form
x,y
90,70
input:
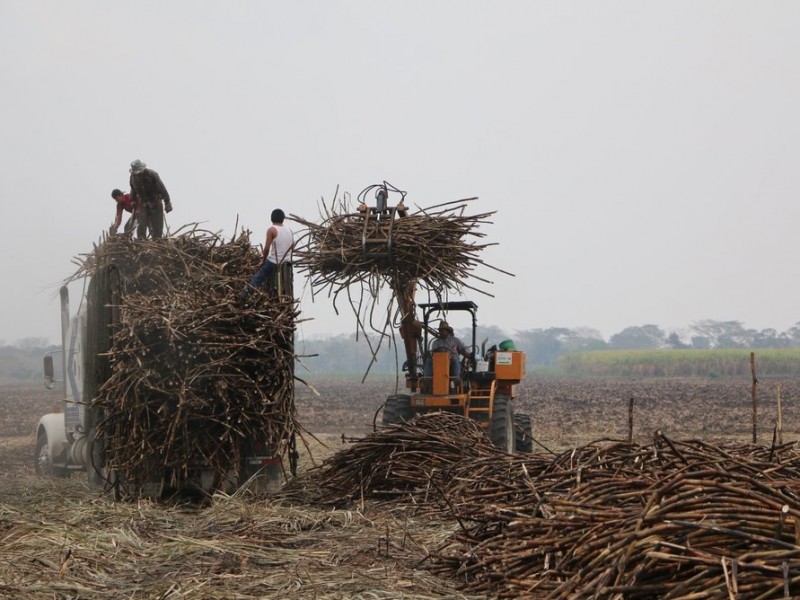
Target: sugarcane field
x,y
182,446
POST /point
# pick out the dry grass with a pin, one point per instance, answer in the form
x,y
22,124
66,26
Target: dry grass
x,y
58,539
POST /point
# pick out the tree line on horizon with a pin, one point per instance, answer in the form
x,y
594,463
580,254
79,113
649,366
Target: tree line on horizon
x,y
344,354
544,347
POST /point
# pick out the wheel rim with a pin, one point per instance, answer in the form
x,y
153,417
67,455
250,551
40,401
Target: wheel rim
x,y
43,459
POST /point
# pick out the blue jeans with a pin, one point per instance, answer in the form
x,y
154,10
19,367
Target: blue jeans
x,y
265,273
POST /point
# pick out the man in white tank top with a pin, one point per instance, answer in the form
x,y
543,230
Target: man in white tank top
x,y
277,250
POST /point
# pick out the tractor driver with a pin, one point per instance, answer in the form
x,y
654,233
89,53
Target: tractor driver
x,y
446,341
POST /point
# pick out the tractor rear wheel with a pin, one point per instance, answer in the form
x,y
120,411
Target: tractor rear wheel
x,y
523,433
501,431
397,409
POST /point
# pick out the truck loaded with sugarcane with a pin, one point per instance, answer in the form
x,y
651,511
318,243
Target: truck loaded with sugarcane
x,y
171,381
384,246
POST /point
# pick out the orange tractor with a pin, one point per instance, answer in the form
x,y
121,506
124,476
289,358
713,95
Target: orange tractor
x,y
484,391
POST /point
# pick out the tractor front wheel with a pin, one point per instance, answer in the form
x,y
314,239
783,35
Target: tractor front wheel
x,y
397,409
501,431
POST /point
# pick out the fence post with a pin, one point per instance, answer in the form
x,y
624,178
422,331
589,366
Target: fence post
x,y
630,420
755,383
780,416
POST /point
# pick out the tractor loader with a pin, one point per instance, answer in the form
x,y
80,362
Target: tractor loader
x,y
485,390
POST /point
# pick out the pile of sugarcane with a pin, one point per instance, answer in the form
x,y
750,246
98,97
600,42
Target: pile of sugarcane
x,y
674,519
434,251
439,247
400,460
194,374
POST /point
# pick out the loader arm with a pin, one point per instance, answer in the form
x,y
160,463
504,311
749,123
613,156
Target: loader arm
x,y
410,327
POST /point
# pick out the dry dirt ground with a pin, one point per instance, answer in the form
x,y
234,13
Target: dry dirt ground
x,y
59,539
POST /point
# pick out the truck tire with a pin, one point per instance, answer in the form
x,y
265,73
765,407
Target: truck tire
x,y
100,478
397,409
41,457
501,431
96,463
523,433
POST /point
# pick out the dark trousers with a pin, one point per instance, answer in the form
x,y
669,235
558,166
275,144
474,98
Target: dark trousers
x,y
150,216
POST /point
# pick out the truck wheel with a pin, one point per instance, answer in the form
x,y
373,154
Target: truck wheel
x,y
523,433
397,409
501,431
96,471
95,465
42,458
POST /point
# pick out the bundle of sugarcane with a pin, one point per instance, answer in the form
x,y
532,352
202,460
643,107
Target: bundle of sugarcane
x,y
195,374
439,247
407,458
434,251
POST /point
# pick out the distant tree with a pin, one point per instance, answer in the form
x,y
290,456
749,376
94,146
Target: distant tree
x,y
32,344
491,334
701,342
646,337
725,334
793,335
544,346
770,338
674,341
584,339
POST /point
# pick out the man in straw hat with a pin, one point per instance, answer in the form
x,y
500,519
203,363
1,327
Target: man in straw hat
x,y
447,342
147,192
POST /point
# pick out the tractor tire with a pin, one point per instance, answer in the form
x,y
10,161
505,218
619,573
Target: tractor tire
x,y
501,430
41,457
523,433
397,409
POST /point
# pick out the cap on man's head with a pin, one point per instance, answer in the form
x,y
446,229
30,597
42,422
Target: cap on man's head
x,y
443,326
137,167
115,193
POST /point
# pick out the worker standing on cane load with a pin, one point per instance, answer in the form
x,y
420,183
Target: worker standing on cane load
x,y
123,204
147,192
277,250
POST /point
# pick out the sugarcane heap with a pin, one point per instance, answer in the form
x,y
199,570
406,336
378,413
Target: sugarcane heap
x,y
192,373
432,250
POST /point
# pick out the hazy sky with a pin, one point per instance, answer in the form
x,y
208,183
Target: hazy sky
x,y
642,156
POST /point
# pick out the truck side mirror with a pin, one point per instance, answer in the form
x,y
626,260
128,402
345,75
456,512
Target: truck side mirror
x,y
49,372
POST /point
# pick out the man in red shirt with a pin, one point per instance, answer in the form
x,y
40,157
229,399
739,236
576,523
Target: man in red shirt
x,y
123,204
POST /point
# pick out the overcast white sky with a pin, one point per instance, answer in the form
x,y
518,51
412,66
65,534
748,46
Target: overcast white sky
x,y
642,156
